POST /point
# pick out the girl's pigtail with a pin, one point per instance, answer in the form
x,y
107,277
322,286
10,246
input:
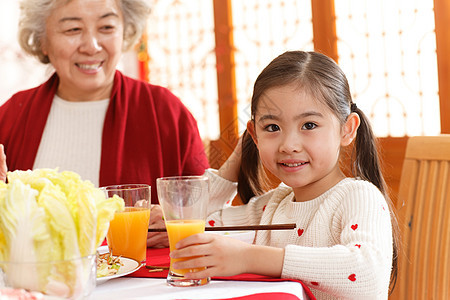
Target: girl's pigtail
x,y
249,171
367,166
367,163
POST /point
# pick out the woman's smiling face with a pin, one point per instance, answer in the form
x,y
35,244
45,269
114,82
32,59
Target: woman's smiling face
x,y
83,41
298,139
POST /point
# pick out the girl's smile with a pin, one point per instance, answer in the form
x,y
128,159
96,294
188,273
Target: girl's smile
x,y
292,165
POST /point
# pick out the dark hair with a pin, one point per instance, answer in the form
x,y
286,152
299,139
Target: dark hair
x,y
322,78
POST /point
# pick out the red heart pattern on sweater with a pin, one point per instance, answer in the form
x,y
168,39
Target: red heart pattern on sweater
x,y
354,226
352,277
314,283
300,232
211,223
358,245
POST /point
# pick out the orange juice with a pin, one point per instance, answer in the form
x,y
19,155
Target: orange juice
x,y
127,234
178,230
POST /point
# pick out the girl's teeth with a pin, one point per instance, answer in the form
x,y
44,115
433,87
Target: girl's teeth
x,y
293,165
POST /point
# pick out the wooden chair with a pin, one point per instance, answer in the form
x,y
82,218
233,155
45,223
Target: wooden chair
x,y
424,217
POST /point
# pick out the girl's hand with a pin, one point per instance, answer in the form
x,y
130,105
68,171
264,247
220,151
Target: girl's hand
x,y
157,239
3,167
223,256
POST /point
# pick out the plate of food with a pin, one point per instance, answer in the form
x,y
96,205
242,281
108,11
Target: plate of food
x,y
109,266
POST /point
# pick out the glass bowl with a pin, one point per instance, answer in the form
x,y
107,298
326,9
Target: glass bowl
x,y
69,279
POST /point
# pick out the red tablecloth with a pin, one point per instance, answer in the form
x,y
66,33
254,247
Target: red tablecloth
x,y
160,257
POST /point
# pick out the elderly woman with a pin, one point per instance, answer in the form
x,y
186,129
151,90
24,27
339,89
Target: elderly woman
x,y
88,117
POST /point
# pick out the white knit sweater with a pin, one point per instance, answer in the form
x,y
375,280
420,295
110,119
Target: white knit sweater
x,y
72,138
342,246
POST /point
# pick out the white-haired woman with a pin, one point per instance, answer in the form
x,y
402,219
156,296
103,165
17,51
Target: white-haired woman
x,y
88,117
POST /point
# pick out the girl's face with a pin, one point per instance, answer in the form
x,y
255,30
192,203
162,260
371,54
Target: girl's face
x,y
84,43
299,140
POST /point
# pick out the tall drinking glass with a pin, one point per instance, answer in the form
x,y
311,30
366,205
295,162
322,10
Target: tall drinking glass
x,y
184,201
127,234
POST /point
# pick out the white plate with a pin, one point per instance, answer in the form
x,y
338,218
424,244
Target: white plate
x,y
129,266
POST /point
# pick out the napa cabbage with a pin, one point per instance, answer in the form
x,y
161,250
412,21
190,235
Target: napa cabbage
x,y
49,216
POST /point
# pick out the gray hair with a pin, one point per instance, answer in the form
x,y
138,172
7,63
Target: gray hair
x,y
35,12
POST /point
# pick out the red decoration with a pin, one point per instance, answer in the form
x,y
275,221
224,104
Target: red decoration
x,y
143,58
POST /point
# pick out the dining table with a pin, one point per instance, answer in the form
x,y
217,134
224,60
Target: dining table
x,y
150,283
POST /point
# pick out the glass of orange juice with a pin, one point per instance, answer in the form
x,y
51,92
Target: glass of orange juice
x,y
127,234
184,200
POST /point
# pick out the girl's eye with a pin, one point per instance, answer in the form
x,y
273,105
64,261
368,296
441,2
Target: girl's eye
x,y
309,126
272,128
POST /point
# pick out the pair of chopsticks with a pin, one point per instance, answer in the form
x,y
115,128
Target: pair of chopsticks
x,y
242,228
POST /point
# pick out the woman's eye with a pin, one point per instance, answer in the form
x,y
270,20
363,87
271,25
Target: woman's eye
x,y
73,30
272,128
309,126
107,28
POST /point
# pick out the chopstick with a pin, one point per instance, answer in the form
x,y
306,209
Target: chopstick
x,y
244,227
156,268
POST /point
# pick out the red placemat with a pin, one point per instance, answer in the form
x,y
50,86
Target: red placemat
x,y
155,257
160,258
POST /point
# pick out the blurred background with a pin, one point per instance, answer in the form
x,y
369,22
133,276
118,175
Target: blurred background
x,y
395,54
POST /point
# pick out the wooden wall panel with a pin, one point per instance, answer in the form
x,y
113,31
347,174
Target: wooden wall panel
x,y
442,23
392,153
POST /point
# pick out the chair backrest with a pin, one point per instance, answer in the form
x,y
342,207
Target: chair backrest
x,y
424,217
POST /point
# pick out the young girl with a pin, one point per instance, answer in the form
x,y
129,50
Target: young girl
x,y
302,115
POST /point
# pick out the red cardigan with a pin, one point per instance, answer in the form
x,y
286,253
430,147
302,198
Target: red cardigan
x,y
148,133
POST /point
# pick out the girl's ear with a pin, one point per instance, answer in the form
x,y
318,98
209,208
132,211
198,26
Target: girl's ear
x,y
350,128
251,131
